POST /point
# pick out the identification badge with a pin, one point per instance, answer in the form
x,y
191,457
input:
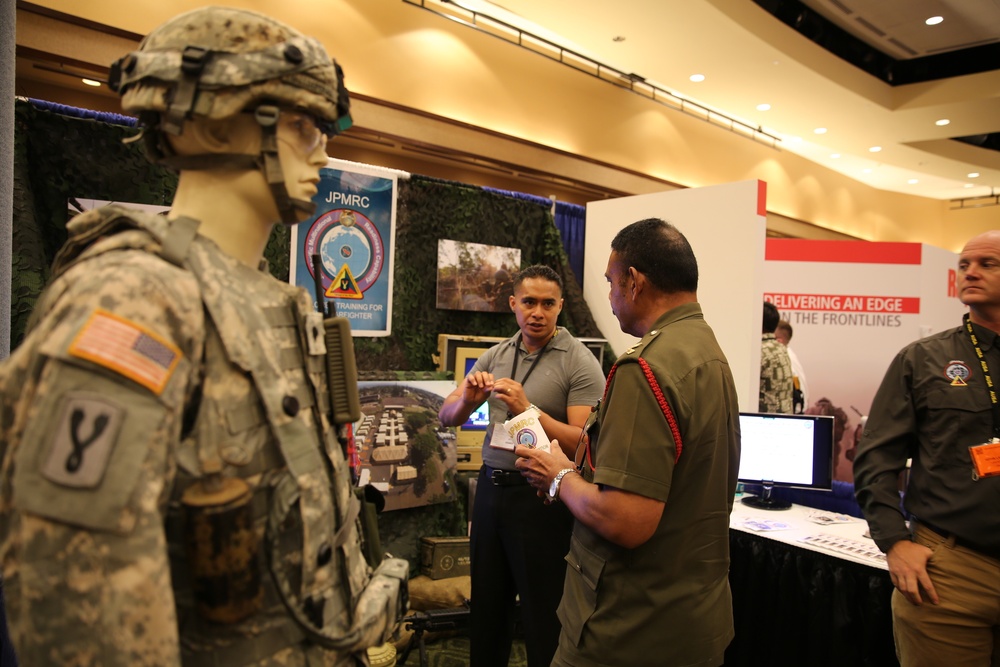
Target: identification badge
x,y
985,460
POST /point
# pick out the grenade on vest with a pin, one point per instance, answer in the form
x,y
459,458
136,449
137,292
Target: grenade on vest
x,y
222,546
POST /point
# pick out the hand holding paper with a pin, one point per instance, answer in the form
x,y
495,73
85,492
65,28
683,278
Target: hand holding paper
x,y
525,429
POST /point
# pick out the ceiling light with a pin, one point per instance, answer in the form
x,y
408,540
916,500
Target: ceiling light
x,y
942,122
969,185
763,107
867,170
835,156
874,149
91,82
913,181
973,174
820,130
697,78
934,20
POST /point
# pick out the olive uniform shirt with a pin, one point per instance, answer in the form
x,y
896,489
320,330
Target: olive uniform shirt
x,y
666,602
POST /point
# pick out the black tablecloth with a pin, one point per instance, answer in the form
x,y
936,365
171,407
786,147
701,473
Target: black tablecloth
x,y
799,608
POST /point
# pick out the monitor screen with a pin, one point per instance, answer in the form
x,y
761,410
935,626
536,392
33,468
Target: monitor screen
x,y
785,450
479,420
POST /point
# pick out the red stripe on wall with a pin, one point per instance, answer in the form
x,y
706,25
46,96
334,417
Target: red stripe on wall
x,y
858,252
762,199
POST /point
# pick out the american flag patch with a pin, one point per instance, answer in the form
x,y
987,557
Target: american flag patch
x,y
127,349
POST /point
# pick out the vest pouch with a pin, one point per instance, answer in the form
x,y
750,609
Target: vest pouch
x,y
222,549
361,613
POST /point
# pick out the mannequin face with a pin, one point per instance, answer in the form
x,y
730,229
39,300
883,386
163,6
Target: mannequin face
x,y
302,151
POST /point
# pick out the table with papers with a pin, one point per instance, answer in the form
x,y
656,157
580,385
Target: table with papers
x,y
809,588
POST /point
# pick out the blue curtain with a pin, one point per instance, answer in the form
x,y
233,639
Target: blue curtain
x,y
86,114
570,220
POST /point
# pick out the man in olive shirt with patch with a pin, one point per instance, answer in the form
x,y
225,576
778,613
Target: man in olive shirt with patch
x,y
647,582
936,406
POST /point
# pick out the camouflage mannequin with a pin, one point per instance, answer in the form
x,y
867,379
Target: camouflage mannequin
x,y
172,491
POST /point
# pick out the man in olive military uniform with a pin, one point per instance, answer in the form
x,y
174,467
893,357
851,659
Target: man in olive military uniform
x,y
647,581
172,488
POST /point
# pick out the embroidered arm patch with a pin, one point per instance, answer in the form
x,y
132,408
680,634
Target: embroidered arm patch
x,y
128,349
86,431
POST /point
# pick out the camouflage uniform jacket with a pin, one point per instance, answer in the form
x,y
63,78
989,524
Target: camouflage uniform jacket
x,y
153,357
776,380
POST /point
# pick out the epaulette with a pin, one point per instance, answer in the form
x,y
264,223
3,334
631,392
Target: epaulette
x,y
634,355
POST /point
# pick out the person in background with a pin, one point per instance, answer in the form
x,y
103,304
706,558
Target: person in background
x,y
172,490
652,484
517,546
937,406
775,367
800,391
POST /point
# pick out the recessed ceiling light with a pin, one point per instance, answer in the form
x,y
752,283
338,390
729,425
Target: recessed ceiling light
x,y
969,185
913,181
934,20
91,82
835,156
820,130
874,149
867,170
942,122
973,174
763,107
697,78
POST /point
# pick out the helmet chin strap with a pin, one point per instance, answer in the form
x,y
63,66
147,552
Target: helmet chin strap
x,y
270,165
267,162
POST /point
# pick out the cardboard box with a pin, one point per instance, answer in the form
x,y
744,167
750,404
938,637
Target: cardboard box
x,y
443,557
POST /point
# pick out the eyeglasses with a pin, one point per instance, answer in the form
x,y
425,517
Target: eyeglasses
x,y
301,131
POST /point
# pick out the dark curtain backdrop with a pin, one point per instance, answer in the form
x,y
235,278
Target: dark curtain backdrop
x,y
570,220
59,156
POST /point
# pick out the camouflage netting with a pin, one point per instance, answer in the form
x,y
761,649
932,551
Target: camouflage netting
x,y
58,157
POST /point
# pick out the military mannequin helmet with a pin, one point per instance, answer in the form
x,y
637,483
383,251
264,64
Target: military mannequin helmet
x,y
216,62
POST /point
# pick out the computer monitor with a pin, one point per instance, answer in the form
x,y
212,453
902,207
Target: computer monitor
x,y
785,450
479,420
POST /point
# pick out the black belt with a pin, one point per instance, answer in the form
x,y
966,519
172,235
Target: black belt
x,y
958,541
504,477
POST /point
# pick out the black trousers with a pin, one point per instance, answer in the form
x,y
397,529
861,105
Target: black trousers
x,y
518,547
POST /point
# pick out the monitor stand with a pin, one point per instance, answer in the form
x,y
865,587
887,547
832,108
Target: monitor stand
x,y
764,501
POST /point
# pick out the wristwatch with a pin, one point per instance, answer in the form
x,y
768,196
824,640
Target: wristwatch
x,y
556,481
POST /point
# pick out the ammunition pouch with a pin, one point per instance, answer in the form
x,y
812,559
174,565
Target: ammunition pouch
x,y
344,619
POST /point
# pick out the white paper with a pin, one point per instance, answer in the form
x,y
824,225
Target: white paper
x,y
524,429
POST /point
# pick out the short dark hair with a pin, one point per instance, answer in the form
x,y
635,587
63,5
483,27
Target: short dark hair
x,y
659,251
538,271
771,317
783,324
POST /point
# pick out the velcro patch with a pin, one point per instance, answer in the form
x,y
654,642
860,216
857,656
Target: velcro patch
x,y
80,446
128,349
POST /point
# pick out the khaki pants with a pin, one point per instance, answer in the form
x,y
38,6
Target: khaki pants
x,y
963,630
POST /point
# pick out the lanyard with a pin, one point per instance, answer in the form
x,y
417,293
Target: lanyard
x,y
986,375
531,368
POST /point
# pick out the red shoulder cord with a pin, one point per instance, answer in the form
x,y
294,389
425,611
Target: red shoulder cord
x,y
661,400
